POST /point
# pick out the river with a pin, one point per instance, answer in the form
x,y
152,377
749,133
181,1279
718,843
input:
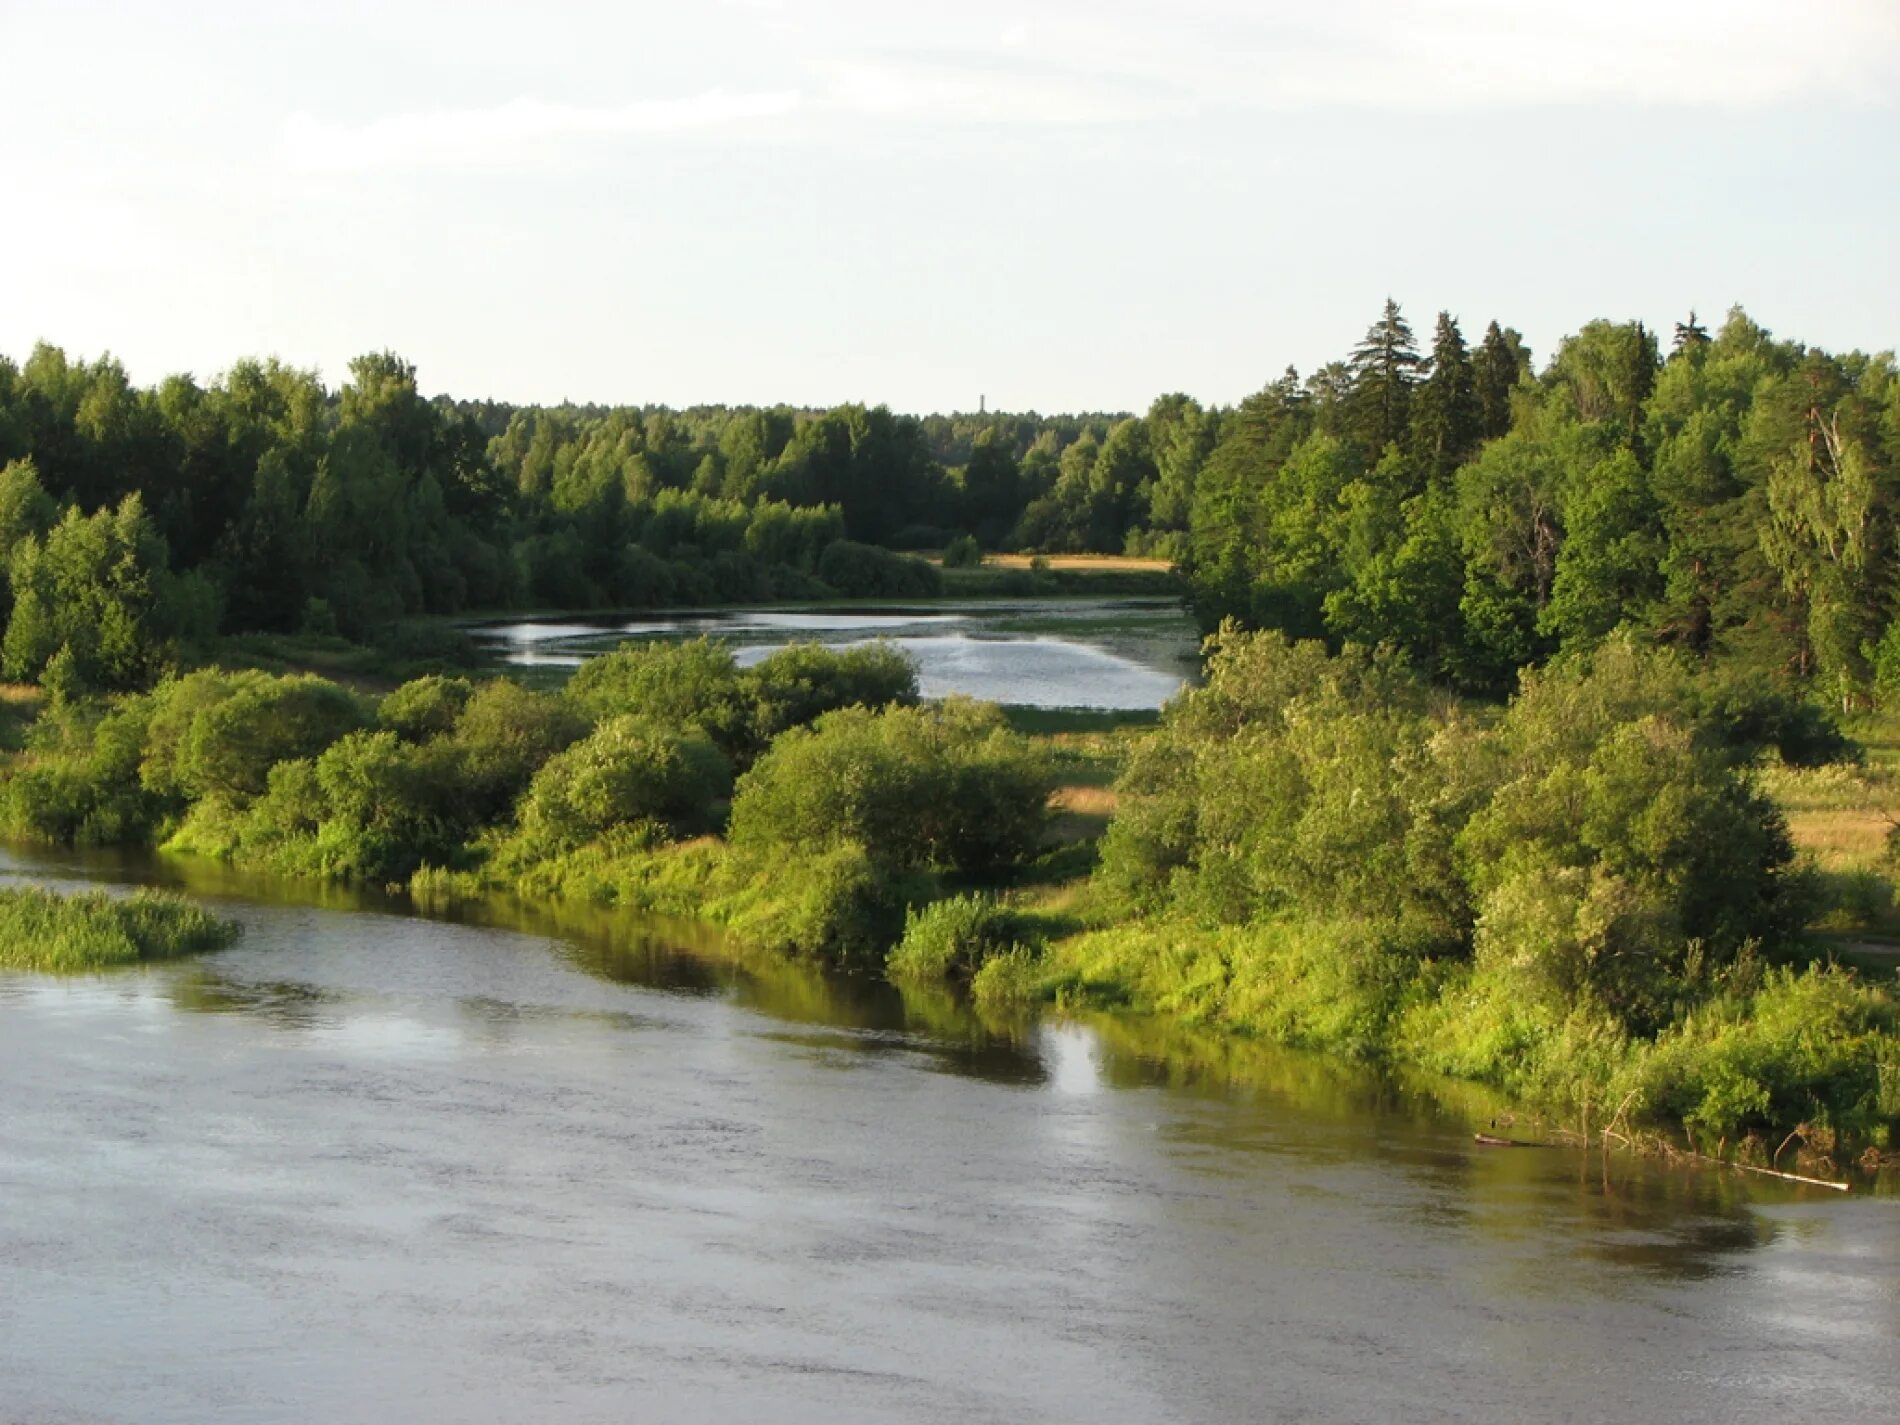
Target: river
x,y
1105,654
371,1167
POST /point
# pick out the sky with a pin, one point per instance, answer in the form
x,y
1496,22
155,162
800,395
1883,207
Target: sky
x,y
1070,205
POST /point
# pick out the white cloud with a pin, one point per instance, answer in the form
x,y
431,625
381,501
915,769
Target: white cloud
x,y
520,130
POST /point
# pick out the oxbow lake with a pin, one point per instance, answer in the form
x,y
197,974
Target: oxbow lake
x,y
371,1167
1111,654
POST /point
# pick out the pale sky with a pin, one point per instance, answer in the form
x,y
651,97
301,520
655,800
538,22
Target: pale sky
x,y
1076,204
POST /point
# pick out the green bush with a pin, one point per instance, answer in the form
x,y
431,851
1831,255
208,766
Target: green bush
x,y
217,732
690,684
501,739
629,769
42,930
963,552
946,786
863,571
802,681
425,708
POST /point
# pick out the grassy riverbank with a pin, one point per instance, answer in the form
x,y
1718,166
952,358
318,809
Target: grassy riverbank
x,y
1584,899
47,931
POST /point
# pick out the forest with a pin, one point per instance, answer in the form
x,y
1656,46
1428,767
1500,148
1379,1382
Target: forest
x,y
1504,665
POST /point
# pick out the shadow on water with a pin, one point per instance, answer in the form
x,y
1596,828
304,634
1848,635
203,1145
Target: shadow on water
x,y
1230,1101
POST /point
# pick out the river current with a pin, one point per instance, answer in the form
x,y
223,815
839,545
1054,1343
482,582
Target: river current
x,y
370,1167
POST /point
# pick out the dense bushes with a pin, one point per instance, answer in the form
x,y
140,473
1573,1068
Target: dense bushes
x,y
629,769
863,571
43,930
1572,896
945,786
698,684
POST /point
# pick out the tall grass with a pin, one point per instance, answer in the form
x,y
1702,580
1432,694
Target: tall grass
x,y
89,930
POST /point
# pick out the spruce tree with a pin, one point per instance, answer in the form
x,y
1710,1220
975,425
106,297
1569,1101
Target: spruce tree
x,y
1500,363
1691,336
1446,414
1385,368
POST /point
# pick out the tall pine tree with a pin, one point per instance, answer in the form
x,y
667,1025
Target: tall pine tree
x,y
1385,368
1445,411
1500,362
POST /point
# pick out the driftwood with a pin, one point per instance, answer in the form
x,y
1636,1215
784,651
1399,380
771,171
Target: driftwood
x,y
1773,1173
1489,1140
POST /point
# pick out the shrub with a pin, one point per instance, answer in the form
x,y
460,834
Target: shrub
x,y
691,684
802,681
863,571
216,732
629,769
500,741
963,552
425,708
946,785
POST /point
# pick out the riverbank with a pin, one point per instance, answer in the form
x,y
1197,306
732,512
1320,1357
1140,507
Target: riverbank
x,y
1310,849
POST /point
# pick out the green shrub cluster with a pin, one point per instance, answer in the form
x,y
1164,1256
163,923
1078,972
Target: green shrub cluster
x,y
699,684
947,786
1571,895
43,930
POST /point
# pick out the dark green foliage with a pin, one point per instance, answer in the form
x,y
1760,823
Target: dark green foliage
x,y
863,571
501,739
698,684
690,684
217,732
1299,785
963,552
802,681
44,930
941,786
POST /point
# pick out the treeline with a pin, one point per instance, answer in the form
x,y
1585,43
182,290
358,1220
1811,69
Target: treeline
x,y
133,521
1734,497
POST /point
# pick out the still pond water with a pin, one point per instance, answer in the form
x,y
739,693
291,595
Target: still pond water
x,y
369,1167
1114,654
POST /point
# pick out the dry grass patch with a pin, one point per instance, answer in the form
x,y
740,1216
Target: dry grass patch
x,y
1078,561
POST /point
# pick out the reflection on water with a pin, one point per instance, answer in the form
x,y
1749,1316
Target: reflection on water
x,y
1115,655
565,1165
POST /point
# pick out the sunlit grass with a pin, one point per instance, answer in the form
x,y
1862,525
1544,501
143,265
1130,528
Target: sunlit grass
x,y
90,930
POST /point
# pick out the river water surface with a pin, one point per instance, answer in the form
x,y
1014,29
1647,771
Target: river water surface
x,y
368,1167
1107,654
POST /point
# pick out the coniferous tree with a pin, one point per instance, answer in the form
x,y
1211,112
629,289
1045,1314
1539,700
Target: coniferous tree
x,y
1691,336
1446,413
1385,368
1500,363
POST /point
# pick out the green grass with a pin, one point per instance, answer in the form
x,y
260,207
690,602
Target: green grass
x,y
90,930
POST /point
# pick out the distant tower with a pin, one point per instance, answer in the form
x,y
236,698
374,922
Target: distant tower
x,y
979,404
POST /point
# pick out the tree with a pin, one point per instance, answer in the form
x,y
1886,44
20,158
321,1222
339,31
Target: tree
x,y
1385,367
93,586
1447,414
1501,363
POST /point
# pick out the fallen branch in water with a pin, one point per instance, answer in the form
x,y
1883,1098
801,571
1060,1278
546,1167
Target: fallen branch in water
x,y
1773,1173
